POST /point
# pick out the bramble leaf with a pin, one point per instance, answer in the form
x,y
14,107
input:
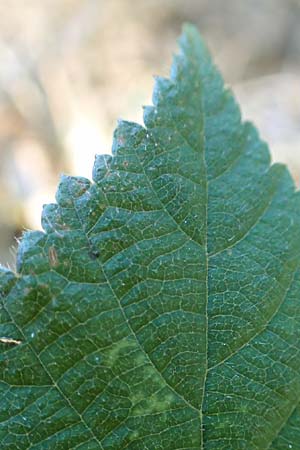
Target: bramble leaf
x,y
159,308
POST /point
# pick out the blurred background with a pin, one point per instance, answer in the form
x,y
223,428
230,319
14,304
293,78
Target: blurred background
x,y
70,68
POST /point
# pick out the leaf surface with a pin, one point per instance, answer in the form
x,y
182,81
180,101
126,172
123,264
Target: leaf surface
x,y
159,308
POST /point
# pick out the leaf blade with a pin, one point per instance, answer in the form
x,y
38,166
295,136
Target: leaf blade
x,y
158,309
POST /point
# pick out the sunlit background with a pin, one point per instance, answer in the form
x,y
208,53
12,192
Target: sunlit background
x,y
70,68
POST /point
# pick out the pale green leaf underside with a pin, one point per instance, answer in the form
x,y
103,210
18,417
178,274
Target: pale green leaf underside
x,y
160,309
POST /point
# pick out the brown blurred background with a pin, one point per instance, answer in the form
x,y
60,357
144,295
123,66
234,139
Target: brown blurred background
x,y
71,68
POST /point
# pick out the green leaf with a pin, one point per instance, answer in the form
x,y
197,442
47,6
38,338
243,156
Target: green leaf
x,y
160,308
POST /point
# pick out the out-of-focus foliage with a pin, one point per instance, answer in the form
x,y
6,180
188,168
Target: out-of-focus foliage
x,y
70,68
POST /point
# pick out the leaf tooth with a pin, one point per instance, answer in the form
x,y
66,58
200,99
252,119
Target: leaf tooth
x,y
7,280
29,254
101,167
163,89
127,135
71,188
